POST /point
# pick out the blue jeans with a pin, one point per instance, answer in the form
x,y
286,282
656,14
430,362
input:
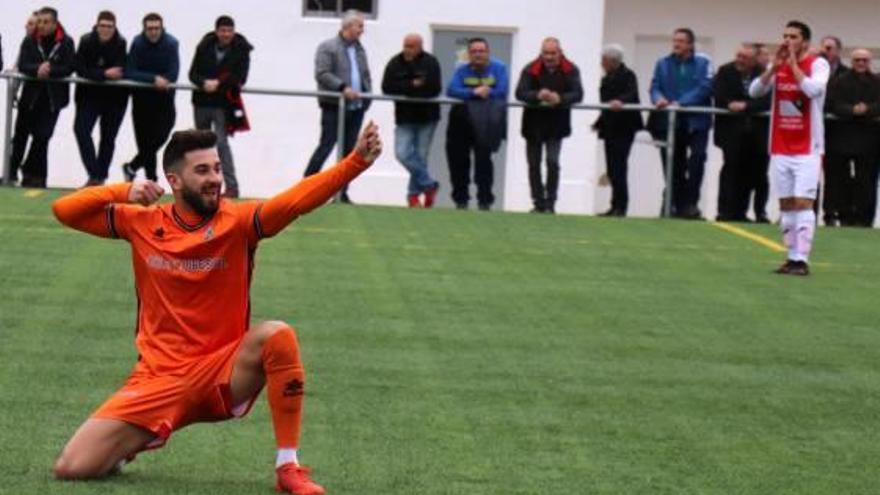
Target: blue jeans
x,y
411,145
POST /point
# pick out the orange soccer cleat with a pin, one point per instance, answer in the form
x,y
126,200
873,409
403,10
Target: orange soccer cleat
x,y
295,479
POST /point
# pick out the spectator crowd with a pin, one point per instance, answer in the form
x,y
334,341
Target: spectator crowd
x,y
548,85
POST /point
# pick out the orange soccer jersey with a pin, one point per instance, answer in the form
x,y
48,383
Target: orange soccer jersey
x,y
192,278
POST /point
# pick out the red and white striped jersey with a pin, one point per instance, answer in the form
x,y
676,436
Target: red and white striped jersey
x,y
797,123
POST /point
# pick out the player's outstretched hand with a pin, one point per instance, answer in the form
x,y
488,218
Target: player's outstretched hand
x,y
145,192
369,144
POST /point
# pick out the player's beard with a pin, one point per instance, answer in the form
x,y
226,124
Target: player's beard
x,y
197,202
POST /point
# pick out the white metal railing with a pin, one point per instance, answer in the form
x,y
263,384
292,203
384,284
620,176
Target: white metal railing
x,y
13,77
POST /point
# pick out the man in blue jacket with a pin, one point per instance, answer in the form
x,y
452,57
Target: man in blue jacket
x,y
154,58
478,125
684,78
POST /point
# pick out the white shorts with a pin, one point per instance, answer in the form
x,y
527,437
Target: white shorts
x,y
796,176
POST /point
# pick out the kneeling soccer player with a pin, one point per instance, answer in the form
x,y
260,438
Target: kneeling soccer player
x,y
200,359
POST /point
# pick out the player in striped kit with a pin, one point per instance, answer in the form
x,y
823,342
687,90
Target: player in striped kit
x,y
797,79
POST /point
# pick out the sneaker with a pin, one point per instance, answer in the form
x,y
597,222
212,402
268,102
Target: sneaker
x,y
762,219
413,201
786,267
295,479
93,182
613,212
484,206
800,269
461,206
128,172
550,209
431,195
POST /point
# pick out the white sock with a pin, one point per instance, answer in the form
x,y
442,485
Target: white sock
x,y
286,456
806,228
788,224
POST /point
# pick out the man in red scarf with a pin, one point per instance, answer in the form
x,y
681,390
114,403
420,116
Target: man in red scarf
x,y
47,54
550,84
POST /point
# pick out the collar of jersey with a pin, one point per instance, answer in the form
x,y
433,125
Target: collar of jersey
x,y
187,226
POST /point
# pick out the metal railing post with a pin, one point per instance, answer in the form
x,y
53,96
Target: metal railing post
x,y
340,135
7,132
340,129
670,156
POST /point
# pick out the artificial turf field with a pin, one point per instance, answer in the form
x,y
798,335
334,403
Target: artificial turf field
x,y
469,352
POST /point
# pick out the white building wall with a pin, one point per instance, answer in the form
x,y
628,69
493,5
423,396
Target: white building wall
x,y
285,131
645,26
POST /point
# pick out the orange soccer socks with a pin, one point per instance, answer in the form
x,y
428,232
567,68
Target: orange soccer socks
x,y
285,379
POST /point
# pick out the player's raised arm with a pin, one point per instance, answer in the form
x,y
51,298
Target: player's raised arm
x,y
88,210
313,191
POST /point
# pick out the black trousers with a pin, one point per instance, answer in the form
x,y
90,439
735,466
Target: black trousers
x,y
88,112
20,137
460,143
153,115
38,122
851,188
329,123
743,178
543,195
688,166
617,149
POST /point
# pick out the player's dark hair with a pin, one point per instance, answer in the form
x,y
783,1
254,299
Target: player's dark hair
x,y
224,20
477,39
50,11
152,16
181,143
806,33
687,32
106,15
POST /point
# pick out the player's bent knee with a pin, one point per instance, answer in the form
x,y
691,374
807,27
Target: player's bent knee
x,y
67,467
268,329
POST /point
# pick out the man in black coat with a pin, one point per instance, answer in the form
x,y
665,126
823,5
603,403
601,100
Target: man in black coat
x,y
220,67
854,97
99,57
550,84
742,138
616,128
838,183
415,73
48,54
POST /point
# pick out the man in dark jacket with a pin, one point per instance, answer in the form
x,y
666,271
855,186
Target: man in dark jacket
x,y
415,73
220,67
99,57
341,65
153,59
550,84
854,97
742,138
21,134
616,128
48,54
838,183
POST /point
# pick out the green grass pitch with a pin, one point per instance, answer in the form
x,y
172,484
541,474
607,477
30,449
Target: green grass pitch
x,y
465,352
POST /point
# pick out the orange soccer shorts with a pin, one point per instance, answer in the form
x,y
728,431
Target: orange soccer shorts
x,y
199,392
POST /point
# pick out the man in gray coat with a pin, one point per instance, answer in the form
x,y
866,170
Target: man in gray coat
x,y
341,65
